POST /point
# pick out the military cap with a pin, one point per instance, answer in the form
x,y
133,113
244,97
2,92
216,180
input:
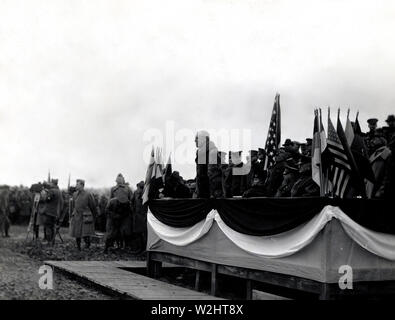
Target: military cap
x,y
140,184
261,151
81,180
372,121
46,184
287,142
390,118
309,141
55,181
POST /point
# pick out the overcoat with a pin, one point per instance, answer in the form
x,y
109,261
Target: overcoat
x,y
140,212
82,217
379,161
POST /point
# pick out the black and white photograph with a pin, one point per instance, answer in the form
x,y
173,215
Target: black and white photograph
x,y
197,154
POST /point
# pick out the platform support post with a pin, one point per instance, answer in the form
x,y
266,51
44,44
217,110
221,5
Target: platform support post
x,y
249,289
214,285
325,293
197,280
154,268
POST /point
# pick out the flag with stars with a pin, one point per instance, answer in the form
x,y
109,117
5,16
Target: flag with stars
x,y
274,135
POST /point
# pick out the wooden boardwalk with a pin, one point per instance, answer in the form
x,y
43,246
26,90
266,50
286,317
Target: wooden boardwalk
x,y
110,276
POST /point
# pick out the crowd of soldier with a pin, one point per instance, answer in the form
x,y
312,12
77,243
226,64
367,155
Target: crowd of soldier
x,y
122,216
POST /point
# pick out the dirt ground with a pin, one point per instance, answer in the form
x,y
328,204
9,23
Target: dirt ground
x,y
20,260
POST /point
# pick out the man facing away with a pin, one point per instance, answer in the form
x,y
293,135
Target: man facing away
x,y
83,212
4,220
50,213
122,227
140,218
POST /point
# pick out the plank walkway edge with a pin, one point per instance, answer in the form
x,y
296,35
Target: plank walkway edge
x,y
110,277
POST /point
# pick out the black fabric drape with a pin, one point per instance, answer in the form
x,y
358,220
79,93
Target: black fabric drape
x,y
180,213
268,216
376,215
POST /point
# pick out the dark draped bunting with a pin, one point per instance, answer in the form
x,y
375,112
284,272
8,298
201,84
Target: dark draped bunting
x,y
180,213
375,215
270,216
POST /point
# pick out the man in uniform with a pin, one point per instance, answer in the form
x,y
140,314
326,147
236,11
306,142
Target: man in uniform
x,y
102,220
175,187
202,141
305,148
140,217
389,132
223,167
43,219
4,220
389,179
380,161
287,154
124,194
51,214
82,217
305,185
290,176
215,177
235,181
257,176
252,166
369,136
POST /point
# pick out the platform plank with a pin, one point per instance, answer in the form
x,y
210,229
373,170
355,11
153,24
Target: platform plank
x,y
110,275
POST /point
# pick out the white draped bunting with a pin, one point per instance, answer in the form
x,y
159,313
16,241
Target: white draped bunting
x,y
282,244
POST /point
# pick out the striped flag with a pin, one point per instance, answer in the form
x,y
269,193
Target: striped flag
x,y
349,130
150,173
158,164
168,170
274,135
357,181
340,171
319,145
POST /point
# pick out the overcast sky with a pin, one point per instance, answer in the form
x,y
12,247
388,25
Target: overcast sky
x,y
82,81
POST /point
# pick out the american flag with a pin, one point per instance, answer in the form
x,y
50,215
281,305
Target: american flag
x,y
340,165
274,134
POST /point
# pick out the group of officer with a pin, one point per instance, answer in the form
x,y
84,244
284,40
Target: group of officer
x,y
381,151
385,133
125,216
289,177
291,174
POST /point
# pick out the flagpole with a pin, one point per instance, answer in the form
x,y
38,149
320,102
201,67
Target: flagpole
x,y
321,166
322,193
329,116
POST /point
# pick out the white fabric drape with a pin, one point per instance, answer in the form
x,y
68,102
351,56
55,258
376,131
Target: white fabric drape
x,y
181,236
282,244
279,245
